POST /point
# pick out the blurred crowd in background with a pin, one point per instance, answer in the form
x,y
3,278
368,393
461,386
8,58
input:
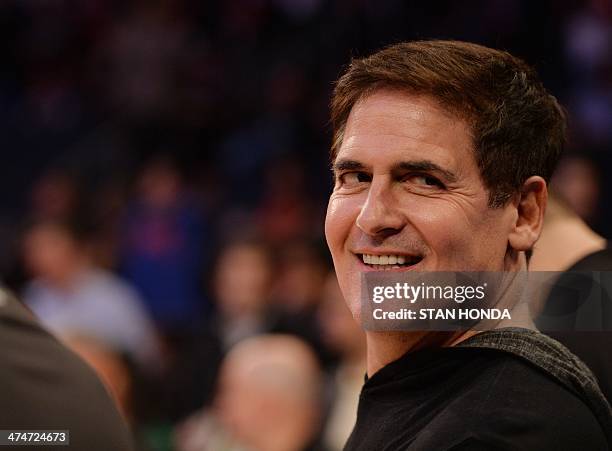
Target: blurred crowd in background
x,y
165,180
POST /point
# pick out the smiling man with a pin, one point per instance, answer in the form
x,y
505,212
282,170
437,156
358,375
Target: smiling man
x,y
441,155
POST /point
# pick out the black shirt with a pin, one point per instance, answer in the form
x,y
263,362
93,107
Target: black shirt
x,y
470,399
44,386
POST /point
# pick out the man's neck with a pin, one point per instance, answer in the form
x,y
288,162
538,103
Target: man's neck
x,y
386,347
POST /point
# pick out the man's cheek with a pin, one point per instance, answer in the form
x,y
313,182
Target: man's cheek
x,y
333,222
342,211
350,285
342,208
451,246
441,229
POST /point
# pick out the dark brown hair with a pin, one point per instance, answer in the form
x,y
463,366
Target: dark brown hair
x,y
518,128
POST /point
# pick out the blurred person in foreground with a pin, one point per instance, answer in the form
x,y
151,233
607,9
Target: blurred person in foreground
x,y
47,387
441,155
344,336
269,399
569,244
110,367
71,295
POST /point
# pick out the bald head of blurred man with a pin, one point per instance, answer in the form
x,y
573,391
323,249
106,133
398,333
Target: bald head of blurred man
x,y
269,393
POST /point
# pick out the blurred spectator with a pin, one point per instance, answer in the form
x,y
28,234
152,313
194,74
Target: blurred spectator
x,y
342,334
577,180
71,295
563,225
242,281
286,212
297,292
164,243
240,286
269,399
302,270
582,255
54,196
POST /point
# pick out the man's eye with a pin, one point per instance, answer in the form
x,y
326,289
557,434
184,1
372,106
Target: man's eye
x,y
353,178
425,180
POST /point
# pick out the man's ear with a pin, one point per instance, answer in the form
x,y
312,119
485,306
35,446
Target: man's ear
x,y
530,206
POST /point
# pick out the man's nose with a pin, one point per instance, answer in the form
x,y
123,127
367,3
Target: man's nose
x,y
379,216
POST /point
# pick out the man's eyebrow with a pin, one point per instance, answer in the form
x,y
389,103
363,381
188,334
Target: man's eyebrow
x,y
426,166
347,165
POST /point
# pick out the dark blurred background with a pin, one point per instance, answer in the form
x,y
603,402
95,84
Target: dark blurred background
x,y
165,179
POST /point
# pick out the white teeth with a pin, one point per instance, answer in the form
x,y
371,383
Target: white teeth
x,y
384,259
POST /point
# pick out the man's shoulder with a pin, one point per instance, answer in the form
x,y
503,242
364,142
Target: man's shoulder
x,y
509,402
463,397
37,370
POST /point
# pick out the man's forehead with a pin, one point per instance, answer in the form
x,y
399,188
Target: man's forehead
x,y
392,126
391,149
379,106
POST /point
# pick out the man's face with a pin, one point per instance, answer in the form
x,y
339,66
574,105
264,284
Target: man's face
x,y
408,195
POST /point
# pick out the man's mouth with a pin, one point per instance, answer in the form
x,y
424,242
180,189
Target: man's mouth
x,y
389,261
